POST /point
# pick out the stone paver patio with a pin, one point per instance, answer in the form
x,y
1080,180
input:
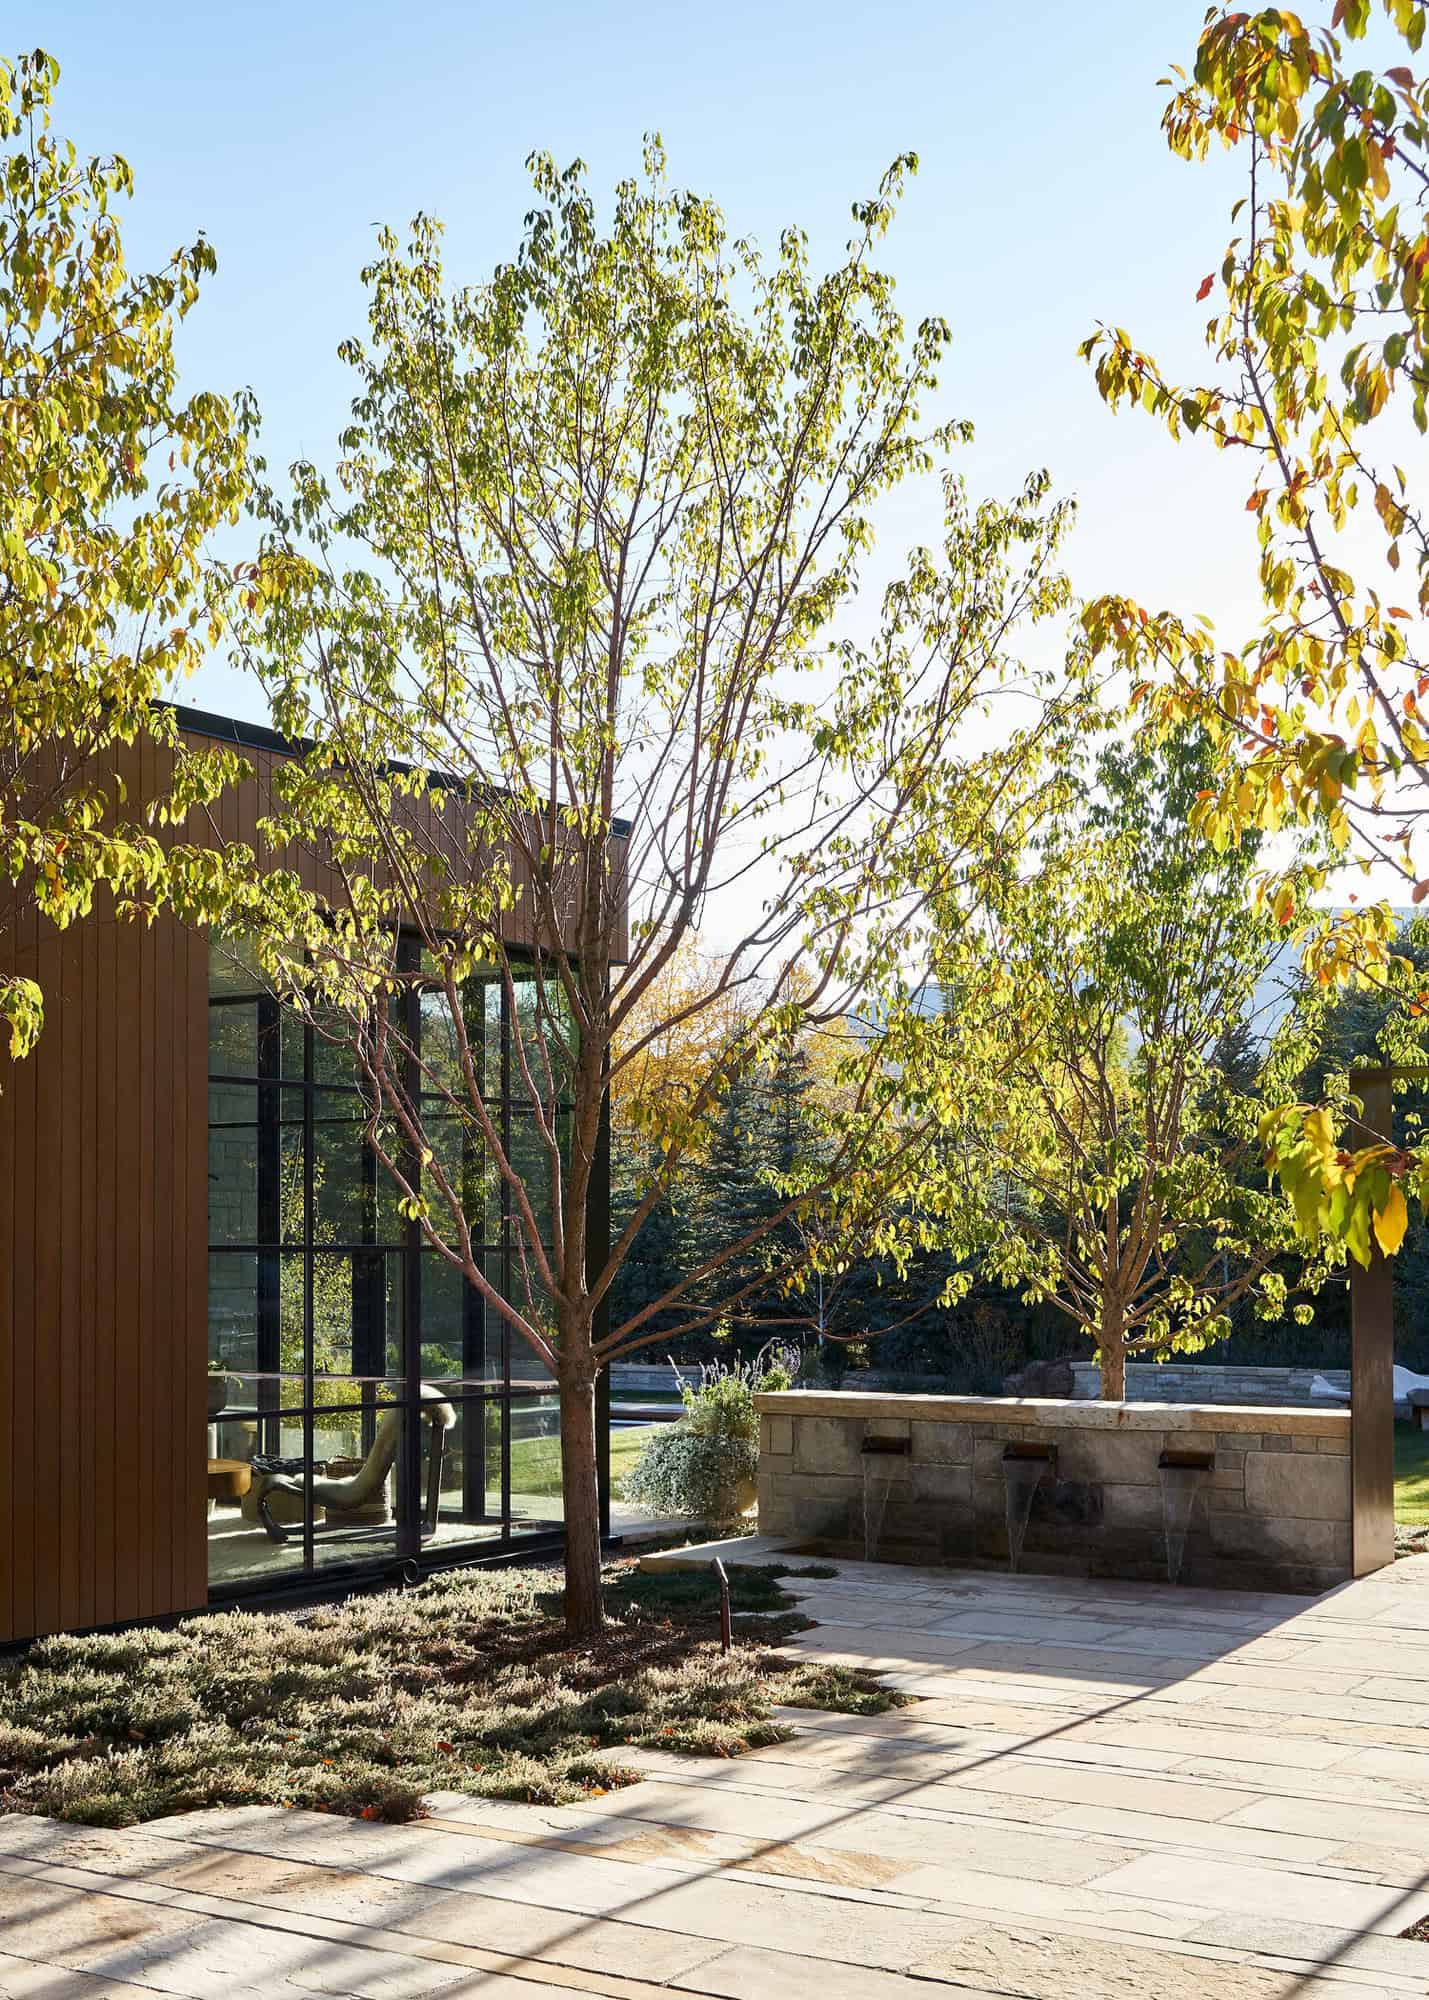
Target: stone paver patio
x,y
1106,1791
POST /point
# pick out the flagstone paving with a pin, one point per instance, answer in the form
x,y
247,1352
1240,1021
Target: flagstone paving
x,y
1104,1791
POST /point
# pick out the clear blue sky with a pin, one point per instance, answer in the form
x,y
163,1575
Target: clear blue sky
x,y
1046,200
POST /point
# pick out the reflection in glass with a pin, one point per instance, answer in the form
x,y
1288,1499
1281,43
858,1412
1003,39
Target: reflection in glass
x,y
233,1039
535,1460
461,1334
232,1163
542,1042
538,1147
329,1317
232,1312
232,967
526,1290
464,1165
471,1470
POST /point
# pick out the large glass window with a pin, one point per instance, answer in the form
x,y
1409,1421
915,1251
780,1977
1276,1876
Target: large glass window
x,y
365,1401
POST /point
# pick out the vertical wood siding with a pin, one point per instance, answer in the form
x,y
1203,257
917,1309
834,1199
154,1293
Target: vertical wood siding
x,y
103,1238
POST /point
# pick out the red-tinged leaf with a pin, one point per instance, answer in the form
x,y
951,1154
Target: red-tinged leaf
x,y
1403,77
1398,611
1255,503
1421,890
1205,290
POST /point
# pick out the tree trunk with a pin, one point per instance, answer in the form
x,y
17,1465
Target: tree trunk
x,y
580,1490
1113,1353
1113,1327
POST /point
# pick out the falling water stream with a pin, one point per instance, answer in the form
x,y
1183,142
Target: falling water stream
x,y
1183,1474
875,1506
877,1454
1023,1468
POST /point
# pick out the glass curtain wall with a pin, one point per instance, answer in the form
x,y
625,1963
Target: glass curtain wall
x,y
365,1403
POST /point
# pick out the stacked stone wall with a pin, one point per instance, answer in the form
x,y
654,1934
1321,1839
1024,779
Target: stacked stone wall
x,y
1273,1512
1211,1382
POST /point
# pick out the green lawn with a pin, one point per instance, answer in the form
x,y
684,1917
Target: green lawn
x,y
536,1462
1411,1475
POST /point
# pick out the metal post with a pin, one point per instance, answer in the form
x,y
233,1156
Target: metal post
x,y
270,1225
1372,1369
597,1252
409,1463
726,1622
309,1388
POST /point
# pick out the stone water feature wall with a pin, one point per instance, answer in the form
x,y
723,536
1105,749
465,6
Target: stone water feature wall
x,y
1271,1513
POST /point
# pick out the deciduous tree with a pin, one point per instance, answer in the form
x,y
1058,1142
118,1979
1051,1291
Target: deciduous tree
x,y
561,633
110,486
1095,1151
1320,385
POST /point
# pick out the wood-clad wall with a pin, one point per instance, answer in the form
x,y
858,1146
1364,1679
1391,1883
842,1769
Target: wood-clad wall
x,y
236,815
103,1281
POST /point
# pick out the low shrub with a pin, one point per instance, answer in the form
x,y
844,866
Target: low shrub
x,y
703,1467
701,1476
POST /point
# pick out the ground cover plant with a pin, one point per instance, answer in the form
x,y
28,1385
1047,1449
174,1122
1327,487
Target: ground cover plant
x,y
466,1683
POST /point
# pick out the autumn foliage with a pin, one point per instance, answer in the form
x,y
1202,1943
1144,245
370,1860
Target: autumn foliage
x,y
1318,383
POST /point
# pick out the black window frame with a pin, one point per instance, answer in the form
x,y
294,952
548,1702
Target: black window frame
x,y
273,1099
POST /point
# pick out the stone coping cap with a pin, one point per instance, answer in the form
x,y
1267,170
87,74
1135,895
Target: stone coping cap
x,y
1057,1413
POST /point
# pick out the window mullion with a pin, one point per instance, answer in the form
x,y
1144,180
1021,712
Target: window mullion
x,y
270,1222
309,1386
409,1518
504,1021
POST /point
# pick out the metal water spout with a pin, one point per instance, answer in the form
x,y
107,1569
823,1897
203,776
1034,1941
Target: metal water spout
x,y
877,1478
1025,1463
1183,1474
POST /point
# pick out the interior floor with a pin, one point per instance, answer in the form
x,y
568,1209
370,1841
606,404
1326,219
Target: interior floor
x,y
239,1551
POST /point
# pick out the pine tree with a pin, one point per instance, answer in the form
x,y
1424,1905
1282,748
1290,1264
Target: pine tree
x,y
658,1257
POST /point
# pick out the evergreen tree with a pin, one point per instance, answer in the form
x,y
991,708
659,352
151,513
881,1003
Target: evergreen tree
x,y
733,1190
657,1258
